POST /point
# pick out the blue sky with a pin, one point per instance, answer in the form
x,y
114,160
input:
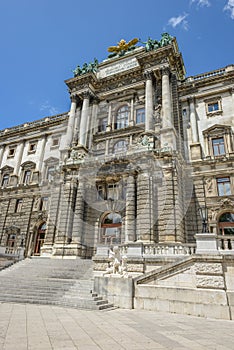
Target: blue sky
x,y
41,41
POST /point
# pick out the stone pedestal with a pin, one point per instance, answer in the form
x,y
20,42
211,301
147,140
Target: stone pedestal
x,y
195,151
206,243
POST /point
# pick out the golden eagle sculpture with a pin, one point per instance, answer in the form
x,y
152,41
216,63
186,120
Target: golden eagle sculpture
x,y
122,47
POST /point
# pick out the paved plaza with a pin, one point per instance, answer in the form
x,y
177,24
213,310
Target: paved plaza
x,y
40,327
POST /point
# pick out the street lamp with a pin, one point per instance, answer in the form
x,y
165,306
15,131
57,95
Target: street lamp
x,y
203,210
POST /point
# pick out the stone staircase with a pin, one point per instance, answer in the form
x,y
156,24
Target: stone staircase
x,y
60,282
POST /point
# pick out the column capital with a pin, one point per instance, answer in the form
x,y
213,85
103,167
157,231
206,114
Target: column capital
x,y
87,94
74,98
191,99
165,71
148,74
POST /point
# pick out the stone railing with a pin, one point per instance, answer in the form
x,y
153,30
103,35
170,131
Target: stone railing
x,y
169,249
159,249
207,75
16,252
225,243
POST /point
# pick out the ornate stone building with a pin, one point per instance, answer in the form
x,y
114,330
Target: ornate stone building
x,y
141,149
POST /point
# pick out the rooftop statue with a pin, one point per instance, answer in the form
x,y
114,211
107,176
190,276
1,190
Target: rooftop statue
x,y
166,39
152,44
122,47
86,68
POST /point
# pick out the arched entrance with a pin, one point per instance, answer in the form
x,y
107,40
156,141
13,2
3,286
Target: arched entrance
x,y
40,238
226,228
111,229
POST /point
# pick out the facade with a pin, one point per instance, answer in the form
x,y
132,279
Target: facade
x,y
142,148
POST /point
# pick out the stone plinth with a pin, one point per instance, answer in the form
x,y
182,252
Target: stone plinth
x,y
206,243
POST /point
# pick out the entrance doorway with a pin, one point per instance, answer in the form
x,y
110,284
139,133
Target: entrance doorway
x,y
111,229
40,239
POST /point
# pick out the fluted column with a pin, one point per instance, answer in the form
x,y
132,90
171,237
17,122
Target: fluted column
x,y
148,101
130,219
166,99
193,120
71,121
84,120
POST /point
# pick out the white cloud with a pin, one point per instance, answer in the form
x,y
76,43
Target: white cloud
x,y
230,7
180,20
201,3
48,109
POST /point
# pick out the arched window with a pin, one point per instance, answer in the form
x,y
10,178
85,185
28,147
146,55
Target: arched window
x,y
120,146
122,117
226,227
111,229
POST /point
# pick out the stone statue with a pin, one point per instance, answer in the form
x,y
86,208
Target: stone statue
x,y
118,264
86,68
151,44
165,40
157,113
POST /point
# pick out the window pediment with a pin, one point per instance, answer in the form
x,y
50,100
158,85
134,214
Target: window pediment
x,y
217,130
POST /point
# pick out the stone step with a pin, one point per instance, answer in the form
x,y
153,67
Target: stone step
x,y
50,281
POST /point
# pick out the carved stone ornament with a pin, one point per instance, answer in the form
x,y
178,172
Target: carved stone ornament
x,y
226,202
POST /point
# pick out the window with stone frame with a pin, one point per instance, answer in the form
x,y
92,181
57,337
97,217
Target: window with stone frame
x,y
27,172
218,140
224,186
44,203
6,173
11,152
5,180
113,190
140,115
218,146
18,205
102,124
51,165
55,142
213,106
32,147
121,120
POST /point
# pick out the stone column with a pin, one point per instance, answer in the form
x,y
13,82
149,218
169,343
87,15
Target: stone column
x,y
2,149
19,158
166,99
107,147
131,121
193,120
130,219
148,101
93,121
71,122
84,120
42,153
76,127
109,121
78,223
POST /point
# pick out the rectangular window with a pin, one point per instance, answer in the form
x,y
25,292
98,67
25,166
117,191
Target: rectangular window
x,y
27,177
32,147
100,192
212,107
218,146
102,124
44,203
140,115
11,152
50,173
5,180
55,142
18,205
113,192
224,186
